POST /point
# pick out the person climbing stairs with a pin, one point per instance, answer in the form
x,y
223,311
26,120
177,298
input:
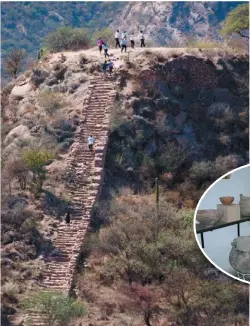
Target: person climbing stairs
x,y
85,173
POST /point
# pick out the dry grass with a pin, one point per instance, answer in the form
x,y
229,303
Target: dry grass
x,y
10,288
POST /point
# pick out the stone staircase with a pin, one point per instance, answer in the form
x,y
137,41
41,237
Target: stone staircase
x,y
85,173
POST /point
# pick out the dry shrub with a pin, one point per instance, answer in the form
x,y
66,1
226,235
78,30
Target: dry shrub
x,y
238,45
173,196
10,288
29,108
203,44
50,101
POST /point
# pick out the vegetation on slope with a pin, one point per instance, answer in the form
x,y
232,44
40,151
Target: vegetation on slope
x,y
237,21
31,22
145,268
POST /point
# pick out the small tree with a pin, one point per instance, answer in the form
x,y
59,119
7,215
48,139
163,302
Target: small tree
x,y
105,34
54,307
36,160
16,169
143,301
237,21
14,62
67,38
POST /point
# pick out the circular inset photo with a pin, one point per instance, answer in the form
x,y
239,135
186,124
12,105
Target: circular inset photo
x,y
222,224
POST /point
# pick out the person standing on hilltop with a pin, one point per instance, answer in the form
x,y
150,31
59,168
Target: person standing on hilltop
x,y
99,44
105,48
124,45
91,142
132,41
117,37
124,35
142,39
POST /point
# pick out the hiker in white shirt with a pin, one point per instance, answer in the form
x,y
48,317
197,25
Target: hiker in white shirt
x,y
117,36
132,41
91,142
142,39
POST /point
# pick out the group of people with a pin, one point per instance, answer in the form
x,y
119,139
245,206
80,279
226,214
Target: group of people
x,y
121,42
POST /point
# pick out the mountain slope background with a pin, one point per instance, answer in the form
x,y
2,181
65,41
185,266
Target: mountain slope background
x,y
25,24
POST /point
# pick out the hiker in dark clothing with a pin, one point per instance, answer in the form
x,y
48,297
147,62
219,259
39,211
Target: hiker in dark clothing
x,y
142,39
104,68
179,205
117,41
110,66
67,218
132,41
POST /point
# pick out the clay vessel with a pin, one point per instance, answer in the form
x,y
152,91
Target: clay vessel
x,y
227,200
239,256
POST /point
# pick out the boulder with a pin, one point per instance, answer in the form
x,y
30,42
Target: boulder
x,y
10,150
19,92
8,237
21,132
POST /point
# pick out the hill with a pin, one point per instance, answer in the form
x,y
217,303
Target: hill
x,y
177,114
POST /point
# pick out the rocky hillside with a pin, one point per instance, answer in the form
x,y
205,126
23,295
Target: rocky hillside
x,y
25,24
180,115
176,22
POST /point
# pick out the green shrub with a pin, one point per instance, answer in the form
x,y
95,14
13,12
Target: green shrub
x,y
67,38
201,171
54,307
36,160
171,158
106,34
236,21
50,101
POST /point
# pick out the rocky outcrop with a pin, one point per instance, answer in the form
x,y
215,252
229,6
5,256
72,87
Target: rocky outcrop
x,y
173,23
20,91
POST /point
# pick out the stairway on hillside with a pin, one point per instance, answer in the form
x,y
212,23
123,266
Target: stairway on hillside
x,y
86,171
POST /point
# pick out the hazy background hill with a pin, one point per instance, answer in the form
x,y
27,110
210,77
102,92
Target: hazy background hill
x,y
24,24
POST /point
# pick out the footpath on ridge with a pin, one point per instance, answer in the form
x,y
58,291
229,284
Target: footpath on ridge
x,y
85,173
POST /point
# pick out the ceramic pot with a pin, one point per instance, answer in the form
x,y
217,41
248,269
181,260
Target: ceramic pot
x,y
226,200
239,256
208,217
